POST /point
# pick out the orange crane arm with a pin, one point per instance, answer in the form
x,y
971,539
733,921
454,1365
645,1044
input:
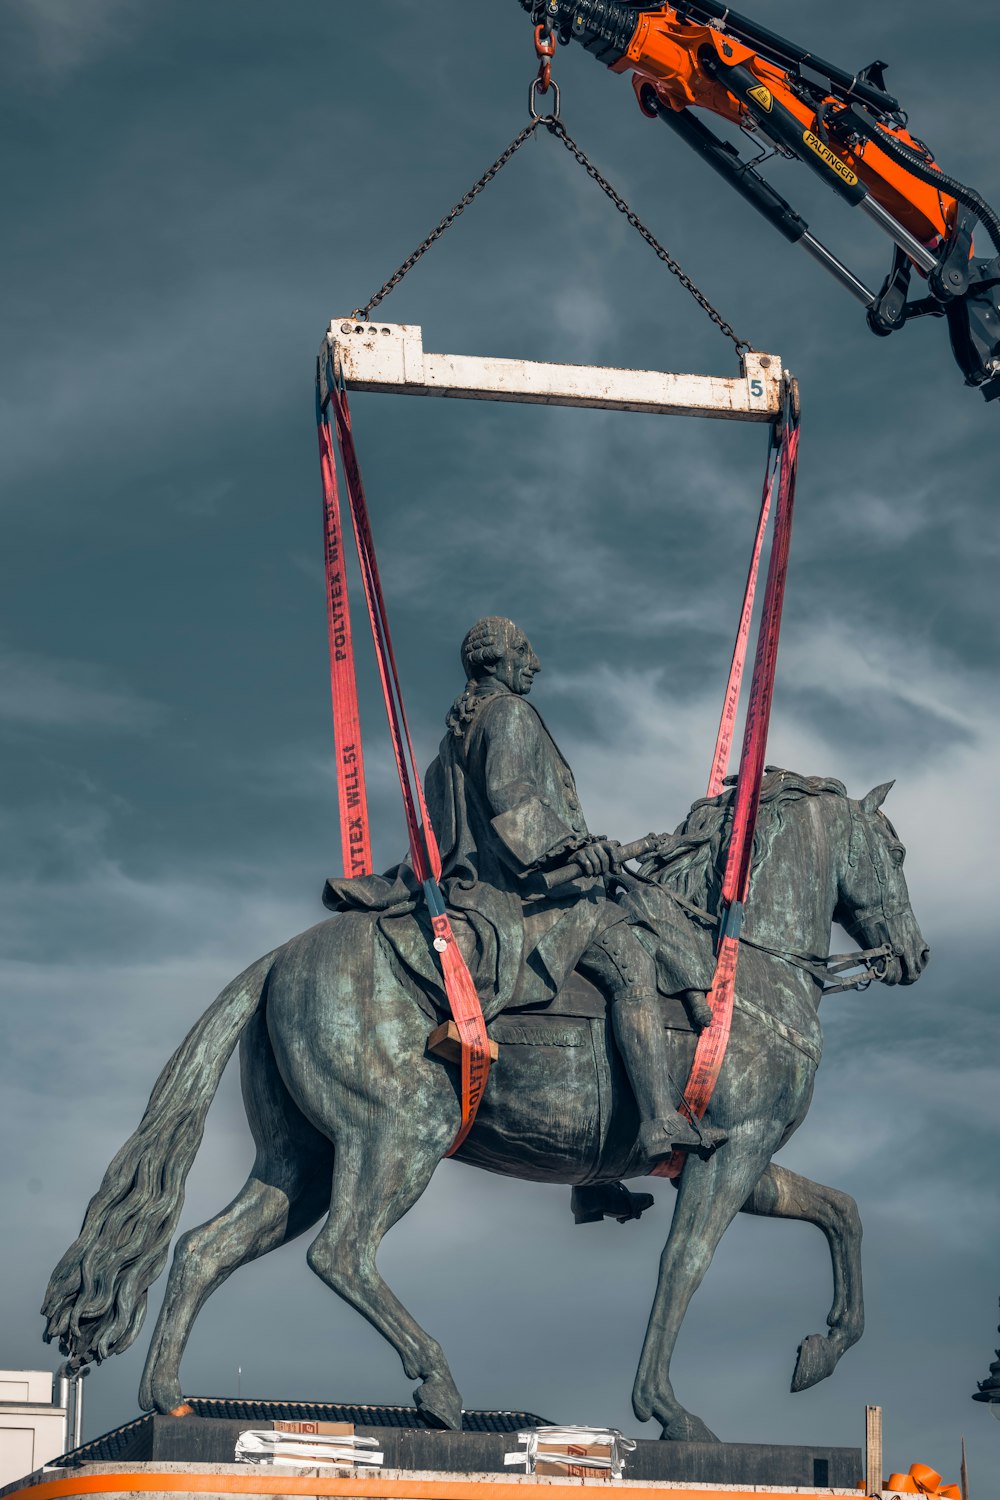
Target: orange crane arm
x,y
700,55
668,54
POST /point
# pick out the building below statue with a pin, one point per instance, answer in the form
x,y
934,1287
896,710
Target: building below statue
x,y
419,1460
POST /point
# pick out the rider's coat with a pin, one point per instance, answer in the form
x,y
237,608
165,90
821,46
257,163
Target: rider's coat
x,y
504,805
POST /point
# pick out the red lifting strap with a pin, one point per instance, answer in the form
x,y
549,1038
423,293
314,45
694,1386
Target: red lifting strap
x,y
731,702
355,833
711,1048
352,792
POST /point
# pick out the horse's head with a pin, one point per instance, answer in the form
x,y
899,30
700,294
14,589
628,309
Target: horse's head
x,y
873,904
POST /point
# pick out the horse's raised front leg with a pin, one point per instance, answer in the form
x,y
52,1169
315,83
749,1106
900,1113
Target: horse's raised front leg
x,y
287,1191
781,1194
709,1198
382,1167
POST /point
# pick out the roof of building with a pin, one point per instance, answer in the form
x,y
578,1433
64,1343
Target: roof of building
x,y
120,1441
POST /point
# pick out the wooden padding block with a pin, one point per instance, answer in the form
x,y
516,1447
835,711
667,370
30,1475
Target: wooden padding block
x,y
444,1041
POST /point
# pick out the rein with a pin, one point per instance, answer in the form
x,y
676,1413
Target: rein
x,y
875,960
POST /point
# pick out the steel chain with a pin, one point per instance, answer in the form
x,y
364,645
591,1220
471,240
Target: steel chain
x,y
558,129
449,218
555,126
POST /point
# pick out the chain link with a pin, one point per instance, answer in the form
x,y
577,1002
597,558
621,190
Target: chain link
x,y
555,127
558,129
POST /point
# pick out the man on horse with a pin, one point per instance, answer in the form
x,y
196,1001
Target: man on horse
x,y
504,806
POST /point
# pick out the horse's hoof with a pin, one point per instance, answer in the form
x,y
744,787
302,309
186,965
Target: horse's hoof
x,y
686,1428
439,1401
162,1396
817,1359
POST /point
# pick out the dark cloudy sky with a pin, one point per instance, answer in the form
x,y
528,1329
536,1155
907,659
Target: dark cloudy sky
x,y
190,192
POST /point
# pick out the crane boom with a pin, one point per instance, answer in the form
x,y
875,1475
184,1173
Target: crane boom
x,y
852,133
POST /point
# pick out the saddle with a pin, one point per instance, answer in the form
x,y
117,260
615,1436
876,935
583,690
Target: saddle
x,y
579,997
393,907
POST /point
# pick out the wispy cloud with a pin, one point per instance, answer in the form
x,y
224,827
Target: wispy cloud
x,y
66,35
102,406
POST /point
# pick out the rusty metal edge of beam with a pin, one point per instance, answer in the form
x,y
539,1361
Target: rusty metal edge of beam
x,y
390,359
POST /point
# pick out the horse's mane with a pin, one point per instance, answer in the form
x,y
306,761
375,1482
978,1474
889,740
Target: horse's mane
x,y
692,866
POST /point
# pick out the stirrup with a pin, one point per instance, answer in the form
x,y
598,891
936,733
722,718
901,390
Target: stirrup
x,y
667,1133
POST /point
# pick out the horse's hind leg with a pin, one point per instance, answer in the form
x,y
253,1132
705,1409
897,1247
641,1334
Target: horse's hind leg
x,y
287,1191
380,1172
781,1194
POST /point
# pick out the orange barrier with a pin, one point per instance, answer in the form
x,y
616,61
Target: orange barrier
x,y
133,1482
923,1480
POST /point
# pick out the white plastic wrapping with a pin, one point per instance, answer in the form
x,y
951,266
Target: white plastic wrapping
x,y
558,1443
306,1449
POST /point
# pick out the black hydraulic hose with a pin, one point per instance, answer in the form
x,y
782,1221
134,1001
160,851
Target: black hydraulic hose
x,y
604,26
614,23
723,158
780,50
916,164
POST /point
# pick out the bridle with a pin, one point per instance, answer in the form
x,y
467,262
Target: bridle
x,y
876,967
874,962
877,959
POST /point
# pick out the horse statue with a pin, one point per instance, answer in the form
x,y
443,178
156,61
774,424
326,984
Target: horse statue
x,y
351,1114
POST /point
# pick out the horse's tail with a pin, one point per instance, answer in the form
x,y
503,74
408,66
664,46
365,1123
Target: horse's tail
x,y
95,1301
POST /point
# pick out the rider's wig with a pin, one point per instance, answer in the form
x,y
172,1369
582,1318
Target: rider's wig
x,y
486,644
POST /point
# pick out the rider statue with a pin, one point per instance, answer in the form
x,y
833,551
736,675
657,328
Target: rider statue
x,y
504,805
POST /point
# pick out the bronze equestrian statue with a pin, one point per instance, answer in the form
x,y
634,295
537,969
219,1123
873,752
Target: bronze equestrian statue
x,y
351,1114
504,806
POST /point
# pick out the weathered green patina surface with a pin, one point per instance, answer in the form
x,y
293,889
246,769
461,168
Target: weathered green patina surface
x,y
505,808
352,1115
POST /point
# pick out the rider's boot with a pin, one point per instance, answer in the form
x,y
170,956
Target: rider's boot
x,y
593,1201
641,1039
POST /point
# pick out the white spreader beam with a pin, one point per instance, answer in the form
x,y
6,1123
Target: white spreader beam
x,y
390,357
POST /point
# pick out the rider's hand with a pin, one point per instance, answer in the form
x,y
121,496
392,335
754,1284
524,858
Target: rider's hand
x,y
597,858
